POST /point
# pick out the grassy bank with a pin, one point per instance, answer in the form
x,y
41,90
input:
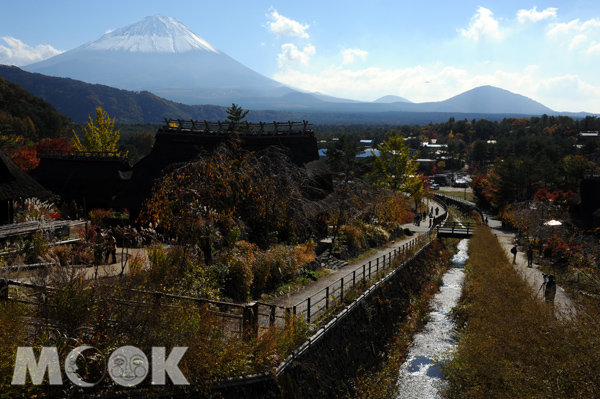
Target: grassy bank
x,y
511,345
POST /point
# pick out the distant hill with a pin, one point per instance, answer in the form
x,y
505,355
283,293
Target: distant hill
x,y
23,114
78,100
392,99
488,99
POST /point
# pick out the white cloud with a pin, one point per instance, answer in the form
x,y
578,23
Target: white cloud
x,y
18,53
350,54
575,26
283,26
534,15
577,41
577,34
291,56
594,48
482,25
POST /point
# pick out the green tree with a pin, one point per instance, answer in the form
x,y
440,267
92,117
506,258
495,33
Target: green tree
x,y
574,167
394,168
236,114
98,137
341,156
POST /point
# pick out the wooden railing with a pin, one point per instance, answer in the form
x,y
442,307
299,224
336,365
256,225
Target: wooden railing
x,y
288,128
456,229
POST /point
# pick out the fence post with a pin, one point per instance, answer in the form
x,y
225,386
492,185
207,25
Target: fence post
x,y
247,322
364,272
272,316
342,291
250,321
308,310
354,278
3,289
327,297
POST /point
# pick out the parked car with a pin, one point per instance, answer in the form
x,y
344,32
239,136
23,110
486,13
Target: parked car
x,y
434,186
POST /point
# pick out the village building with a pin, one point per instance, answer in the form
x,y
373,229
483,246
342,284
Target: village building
x,y
90,179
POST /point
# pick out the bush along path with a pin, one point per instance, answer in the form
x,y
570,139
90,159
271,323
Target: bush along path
x,y
511,343
292,298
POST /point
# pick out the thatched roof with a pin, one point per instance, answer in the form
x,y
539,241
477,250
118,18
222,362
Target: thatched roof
x,y
182,141
14,183
88,179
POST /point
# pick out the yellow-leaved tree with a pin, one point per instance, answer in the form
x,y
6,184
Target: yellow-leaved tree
x,y
99,136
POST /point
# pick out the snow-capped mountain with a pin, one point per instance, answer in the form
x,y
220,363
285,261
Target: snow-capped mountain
x,y
157,34
161,55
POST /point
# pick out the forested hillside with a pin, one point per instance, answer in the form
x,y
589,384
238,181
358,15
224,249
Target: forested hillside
x,y
23,114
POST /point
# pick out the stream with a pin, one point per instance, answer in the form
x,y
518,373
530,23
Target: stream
x,y
421,376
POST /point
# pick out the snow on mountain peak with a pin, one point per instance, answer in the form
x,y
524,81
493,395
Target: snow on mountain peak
x,y
156,34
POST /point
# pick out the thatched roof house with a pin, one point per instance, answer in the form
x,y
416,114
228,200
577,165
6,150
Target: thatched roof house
x,y
90,179
182,141
15,184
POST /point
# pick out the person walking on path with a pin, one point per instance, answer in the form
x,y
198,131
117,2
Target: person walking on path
x,y
514,251
111,248
530,257
550,289
99,241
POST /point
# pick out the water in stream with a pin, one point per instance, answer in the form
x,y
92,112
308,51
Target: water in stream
x,y
420,376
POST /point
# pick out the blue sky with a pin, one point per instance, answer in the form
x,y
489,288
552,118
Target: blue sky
x,y
423,51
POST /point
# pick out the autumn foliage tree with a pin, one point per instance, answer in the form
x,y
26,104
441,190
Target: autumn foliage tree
x,y
258,194
99,134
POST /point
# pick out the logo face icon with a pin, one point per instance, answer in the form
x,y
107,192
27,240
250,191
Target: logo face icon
x,y
85,366
128,366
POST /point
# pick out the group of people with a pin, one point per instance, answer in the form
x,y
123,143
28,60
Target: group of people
x,y
549,284
106,245
421,216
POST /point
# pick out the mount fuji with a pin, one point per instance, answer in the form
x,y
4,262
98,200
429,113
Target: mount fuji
x,y
161,55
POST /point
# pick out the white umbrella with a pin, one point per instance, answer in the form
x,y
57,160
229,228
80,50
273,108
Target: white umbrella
x,y
553,223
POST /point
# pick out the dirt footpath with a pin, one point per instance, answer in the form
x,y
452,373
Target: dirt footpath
x,y
563,306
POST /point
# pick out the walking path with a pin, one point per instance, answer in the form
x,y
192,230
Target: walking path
x,y
563,305
90,273
297,296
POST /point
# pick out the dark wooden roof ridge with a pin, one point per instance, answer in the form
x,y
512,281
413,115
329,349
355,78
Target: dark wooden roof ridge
x,y
260,129
84,155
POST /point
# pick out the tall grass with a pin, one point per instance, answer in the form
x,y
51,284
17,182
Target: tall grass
x,y
511,345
